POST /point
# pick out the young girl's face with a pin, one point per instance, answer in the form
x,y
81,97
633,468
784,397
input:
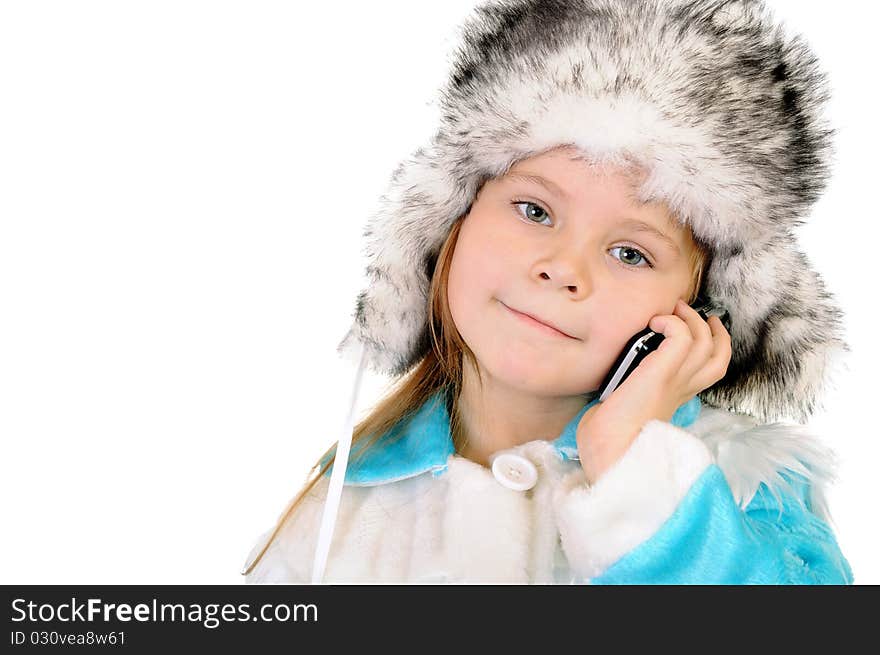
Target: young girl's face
x,y
570,255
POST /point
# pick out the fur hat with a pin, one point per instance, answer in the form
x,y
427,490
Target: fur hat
x,y
710,97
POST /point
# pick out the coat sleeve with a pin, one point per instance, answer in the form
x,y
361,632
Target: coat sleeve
x,y
665,514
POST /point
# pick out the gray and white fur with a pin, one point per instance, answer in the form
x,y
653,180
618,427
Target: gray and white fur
x,y
711,98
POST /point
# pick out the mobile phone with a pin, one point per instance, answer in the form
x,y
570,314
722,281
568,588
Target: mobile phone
x,y
647,341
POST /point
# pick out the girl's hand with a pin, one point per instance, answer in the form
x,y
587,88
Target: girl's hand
x,y
693,356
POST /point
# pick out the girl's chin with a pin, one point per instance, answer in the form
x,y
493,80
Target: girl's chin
x,y
530,366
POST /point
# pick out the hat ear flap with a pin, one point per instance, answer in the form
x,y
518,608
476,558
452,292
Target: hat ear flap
x,y
401,242
785,331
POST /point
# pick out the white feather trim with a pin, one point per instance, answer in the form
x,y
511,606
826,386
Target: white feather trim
x,y
750,453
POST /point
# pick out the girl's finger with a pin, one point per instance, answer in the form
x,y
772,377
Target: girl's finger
x,y
721,339
698,327
677,336
675,347
716,366
702,346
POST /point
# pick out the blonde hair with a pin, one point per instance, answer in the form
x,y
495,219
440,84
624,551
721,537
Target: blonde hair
x,y
699,257
439,369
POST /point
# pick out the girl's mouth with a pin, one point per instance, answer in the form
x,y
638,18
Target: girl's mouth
x,y
537,324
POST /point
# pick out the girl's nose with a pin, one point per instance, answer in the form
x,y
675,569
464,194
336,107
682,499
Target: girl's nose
x,y
563,274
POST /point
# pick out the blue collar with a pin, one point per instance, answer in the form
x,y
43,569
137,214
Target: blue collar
x,y
426,444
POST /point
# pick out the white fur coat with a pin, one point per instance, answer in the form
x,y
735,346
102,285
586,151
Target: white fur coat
x,y
465,527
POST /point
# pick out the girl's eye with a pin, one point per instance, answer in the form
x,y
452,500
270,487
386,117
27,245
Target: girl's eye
x,y
633,253
535,211
531,214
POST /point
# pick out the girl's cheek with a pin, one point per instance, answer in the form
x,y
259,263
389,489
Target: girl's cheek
x,y
612,330
604,332
493,261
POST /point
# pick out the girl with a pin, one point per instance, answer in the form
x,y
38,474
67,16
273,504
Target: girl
x,y
599,164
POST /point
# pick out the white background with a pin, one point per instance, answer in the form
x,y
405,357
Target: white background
x,y
183,186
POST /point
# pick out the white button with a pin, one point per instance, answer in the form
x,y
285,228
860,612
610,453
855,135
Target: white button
x,y
514,471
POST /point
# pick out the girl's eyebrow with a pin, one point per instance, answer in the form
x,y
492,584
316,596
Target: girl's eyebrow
x,y
552,187
641,226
